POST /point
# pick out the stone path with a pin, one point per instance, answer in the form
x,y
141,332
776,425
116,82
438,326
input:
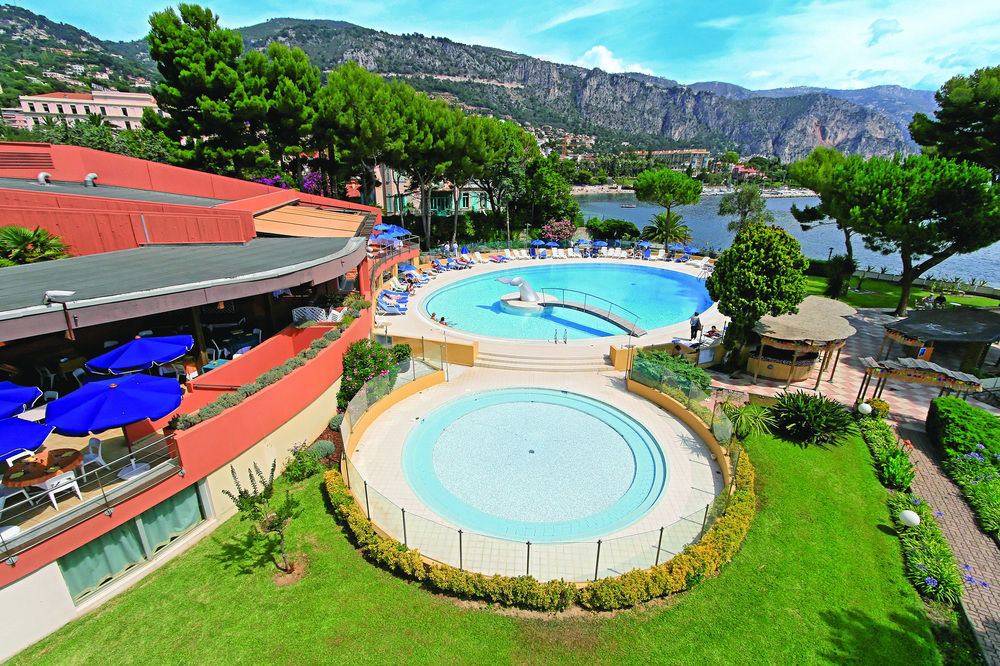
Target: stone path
x,y
970,545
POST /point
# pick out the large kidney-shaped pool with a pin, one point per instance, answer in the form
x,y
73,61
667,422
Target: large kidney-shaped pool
x,y
659,297
534,464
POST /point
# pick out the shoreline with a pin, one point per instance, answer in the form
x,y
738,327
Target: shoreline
x,y
709,191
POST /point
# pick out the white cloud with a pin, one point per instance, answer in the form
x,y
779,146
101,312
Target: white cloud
x,y
882,27
758,74
723,23
593,8
602,58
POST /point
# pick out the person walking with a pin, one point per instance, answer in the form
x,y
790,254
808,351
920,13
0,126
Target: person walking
x,y
695,322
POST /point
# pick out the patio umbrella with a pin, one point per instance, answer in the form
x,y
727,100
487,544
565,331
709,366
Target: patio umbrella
x,y
675,246
644,244
112,403
141,353
600,244
20,435
408,267
690,249
537,242
398,229
382,226
552,244
580,240
14,398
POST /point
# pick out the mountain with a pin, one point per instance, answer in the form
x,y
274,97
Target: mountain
x,y
642,111
895,102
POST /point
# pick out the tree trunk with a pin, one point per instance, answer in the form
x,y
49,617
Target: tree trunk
x,y
284,556
506,210
454,221
848,248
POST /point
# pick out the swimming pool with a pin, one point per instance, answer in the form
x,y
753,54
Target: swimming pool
x,y
658,296
534,464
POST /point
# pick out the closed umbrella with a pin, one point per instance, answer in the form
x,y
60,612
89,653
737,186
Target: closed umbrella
x,y
465,249
18,436
141,353
14,398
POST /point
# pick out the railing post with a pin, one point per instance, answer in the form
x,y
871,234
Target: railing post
x,y
597,562
367,506
460,568
659,545
403,511
527,568
347,465
704,521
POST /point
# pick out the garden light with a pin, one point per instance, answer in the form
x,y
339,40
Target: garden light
x,y
865,409
909,518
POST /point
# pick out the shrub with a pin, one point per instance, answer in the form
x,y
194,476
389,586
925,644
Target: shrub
x,y
363,360
336,421
270,377
748,420
356,302
812,419
332,335
352,313
880,408
322,448
401,352
308,354
958,427
210,410
306,324
248,390
302,464
319,343
976,474
929,562
227,400
676,368
183,421
839,270
892,463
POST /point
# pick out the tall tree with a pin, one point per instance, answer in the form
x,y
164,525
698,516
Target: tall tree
x,y
546,196
747,204
667,188
666,228
816,173
428,123
761,273
503,176
468,148
967,122
199,65
925,209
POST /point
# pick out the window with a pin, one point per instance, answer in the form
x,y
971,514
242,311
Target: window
x,y
45,108
73,108
31,106
93,565
465,200
60,107
124,111
103,112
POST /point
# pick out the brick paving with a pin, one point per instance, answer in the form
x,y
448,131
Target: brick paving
x,y
909,404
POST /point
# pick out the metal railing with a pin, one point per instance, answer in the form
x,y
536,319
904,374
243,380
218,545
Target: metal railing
x,y
589,300
108,484
573,561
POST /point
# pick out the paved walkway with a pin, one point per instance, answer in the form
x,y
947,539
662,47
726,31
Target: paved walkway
x,y
970,545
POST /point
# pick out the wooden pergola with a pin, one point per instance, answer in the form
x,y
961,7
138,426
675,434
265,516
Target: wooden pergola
x,y
915,371
824,350
975,328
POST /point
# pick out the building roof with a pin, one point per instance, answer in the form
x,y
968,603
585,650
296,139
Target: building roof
x,y
308,221
107,192
950,325
64,95
818,319
157,278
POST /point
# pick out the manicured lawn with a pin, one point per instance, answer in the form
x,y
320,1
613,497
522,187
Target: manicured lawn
x,y
886,294
818,580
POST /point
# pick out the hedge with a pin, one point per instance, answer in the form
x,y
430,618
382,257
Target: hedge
x,y
698,561
929,562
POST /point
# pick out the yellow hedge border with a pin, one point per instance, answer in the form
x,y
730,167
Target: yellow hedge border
x,y
683,571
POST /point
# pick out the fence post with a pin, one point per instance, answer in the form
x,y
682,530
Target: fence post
x,y
367,506
704,521
460,568
659,545
404,526
527,568
597,562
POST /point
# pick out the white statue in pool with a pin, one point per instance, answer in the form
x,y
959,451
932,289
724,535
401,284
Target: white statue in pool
x,y
528,294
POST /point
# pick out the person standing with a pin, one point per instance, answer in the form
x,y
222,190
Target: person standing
x,y
454,249
695,322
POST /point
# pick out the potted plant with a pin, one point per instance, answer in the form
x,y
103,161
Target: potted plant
x,y
401,353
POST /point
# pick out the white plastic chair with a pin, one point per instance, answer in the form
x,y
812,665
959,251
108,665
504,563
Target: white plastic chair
x,y
93,454
148,333
334,315
108,344
308,313
60,483
45,375
49,396
78,376
7,493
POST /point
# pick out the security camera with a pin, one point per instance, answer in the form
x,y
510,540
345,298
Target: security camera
x,y
54,294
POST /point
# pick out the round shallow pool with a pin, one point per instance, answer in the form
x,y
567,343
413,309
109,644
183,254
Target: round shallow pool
x,y
659,297
534,464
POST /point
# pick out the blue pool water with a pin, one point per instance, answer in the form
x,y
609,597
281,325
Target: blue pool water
x,y
658,296
534,464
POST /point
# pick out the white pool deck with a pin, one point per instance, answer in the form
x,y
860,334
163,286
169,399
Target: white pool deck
x,y
694,481
414,323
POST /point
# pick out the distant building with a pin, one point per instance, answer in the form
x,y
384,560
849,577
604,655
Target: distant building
x,y
123,110
696,158
740,172
21,61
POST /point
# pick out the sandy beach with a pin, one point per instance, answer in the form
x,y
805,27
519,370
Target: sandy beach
x,y
709,191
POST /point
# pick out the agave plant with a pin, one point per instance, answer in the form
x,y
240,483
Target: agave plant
x,y
812,419
749,420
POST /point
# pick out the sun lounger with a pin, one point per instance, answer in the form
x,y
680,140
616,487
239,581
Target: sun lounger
x,y
387,307
507,254
683,259
522,254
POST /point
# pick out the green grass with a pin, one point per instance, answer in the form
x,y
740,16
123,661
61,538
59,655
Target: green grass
x,y
885,295
819,579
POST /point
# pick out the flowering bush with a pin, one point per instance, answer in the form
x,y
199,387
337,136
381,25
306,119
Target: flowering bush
x,y
303,464
558,230
273,181
363,360
312,183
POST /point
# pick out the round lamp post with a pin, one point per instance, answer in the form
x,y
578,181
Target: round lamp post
x,y
865,409
909,518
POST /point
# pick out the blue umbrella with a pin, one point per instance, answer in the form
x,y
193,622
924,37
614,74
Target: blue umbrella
x,y
112,403
398,229
675,246
600,244
142,353
20,435
644,244
14,398
552,244
394,234
690,249
382,226
580,240
537,242
408,267
465,249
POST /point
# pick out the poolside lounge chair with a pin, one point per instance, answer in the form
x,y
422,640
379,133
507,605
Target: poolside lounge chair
x,y
575,254
396,296
647,254
521,254
659,256
388,307
542,254
507,254
439,267
419,277
683,259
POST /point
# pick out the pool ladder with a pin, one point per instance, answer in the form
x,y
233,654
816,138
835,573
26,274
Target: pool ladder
x,y
555,336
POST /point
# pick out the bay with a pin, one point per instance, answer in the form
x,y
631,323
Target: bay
x,y
709,230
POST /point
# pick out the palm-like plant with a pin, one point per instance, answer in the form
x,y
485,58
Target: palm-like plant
x,y
665,228
20,245
96,119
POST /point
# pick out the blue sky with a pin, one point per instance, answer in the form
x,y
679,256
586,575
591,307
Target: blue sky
x,y
762,44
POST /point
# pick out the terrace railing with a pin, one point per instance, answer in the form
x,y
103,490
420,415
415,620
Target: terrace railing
x,y
103,487
595,305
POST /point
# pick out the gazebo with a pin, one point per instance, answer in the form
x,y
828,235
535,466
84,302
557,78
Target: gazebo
x,y
792,344
976,329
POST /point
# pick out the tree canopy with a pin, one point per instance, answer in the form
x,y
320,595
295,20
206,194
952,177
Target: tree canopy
x,y
666,227
747,204
966,125
611,229
667,188
816,173
761,273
